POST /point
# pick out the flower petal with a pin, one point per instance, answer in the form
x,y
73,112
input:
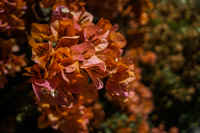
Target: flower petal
x,y
94,61
81,51
41,31
73,67
118,40
98,83
101,45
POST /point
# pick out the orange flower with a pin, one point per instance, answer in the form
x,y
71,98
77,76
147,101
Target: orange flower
x,y
94,61
104,24
74,118
34,71
110,64
49,91
41,52
83,18
67,41
117,40
41,31
82,51
76,48
118,83
62,28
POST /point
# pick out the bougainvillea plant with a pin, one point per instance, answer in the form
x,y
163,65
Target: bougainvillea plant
x,y
72,55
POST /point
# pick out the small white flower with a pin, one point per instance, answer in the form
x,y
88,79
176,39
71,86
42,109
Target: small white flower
x,y
64,10
54,93
44,91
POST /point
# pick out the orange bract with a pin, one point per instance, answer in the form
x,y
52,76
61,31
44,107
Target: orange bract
x,y
70,66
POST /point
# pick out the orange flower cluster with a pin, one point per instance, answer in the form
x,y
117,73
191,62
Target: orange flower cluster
x,y
10,14
72,119
9,62
77,117
72,48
